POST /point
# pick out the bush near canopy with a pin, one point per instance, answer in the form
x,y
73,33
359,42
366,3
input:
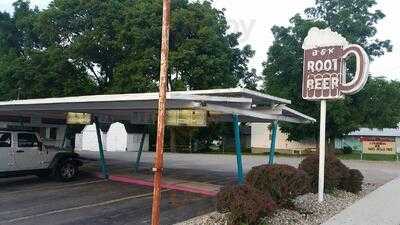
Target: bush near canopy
x,y
245,204
282,182
335,171
353,182
337,175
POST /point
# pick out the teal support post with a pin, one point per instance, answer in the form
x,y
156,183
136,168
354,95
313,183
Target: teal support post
x,y
273,142
238,149
139,155
103,164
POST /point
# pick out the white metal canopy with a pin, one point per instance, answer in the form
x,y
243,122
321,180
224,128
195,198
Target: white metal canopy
x,y
250,106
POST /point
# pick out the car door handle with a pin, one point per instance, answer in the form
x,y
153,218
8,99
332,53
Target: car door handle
x,y
19,151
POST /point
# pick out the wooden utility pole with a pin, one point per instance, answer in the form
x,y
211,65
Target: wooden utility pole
x,y
158,165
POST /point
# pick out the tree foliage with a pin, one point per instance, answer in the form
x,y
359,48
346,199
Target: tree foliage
x,y
356,21
107,46
42,74
29,68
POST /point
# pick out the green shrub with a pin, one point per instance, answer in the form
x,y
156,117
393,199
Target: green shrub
x,y
347,150
282,182
335,171
246,204
353,182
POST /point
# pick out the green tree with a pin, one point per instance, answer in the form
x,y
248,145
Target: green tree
x,y
29,69
356,21
114,46
380,100
118,42
42,74
88,31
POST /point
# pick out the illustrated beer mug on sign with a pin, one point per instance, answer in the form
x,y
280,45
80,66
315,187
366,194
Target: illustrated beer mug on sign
x,y
324,72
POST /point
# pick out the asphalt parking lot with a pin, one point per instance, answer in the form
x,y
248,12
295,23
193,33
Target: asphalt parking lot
x,y
216,166
30,200
89,200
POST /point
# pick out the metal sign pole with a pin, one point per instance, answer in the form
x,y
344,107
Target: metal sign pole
x,y
322,151
158,165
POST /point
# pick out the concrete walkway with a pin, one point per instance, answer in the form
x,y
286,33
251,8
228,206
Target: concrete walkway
x,y
381,207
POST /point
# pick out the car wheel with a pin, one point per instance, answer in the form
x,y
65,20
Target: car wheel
x,y
67,171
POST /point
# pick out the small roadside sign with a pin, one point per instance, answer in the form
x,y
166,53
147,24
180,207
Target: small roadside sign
x,y
378,145
79,118
186,117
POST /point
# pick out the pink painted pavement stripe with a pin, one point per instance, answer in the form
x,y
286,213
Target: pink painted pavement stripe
x,y
132,180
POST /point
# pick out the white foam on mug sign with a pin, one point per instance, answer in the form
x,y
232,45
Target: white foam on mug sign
x,y
323,37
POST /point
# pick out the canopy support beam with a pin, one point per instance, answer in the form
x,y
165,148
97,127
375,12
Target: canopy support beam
x,y
238,149
273,142
139,154
103,164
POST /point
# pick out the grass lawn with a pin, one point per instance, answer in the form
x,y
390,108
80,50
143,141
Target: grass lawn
x,y
352,156
245,152
356,156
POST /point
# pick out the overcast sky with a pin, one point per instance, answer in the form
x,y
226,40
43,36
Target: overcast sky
x,y
254,18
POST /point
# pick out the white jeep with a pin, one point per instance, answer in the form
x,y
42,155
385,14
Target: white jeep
x,y
23,153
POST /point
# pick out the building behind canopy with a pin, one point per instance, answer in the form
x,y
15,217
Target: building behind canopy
x,y
261,137
372,141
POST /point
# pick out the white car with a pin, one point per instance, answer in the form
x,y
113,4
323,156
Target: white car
x,y
23,153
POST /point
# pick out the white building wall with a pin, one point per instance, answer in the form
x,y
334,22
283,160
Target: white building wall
x,y
398,144
117,138
89,138
261,139
134,142
260,135
78,141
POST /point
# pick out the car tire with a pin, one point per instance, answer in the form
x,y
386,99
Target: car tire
x,y
67,171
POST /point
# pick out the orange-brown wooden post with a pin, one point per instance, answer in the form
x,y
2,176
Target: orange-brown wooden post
x,y
158,164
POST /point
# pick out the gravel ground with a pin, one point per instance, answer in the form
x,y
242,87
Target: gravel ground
x,y
308,210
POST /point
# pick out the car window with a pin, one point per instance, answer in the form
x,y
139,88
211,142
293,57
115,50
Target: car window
x,y
27,140
5,139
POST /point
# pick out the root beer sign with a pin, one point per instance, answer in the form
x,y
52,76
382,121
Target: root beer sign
x,y
324,67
